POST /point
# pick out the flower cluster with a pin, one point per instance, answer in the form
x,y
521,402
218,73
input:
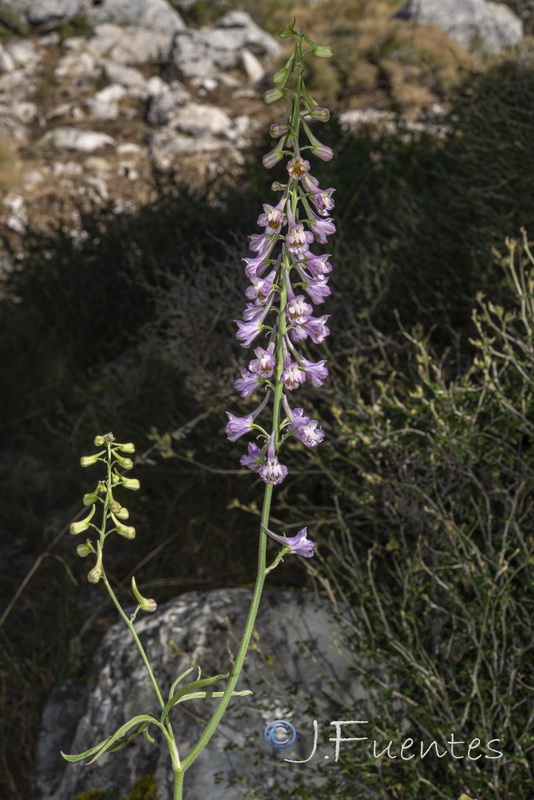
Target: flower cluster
x,y
288,280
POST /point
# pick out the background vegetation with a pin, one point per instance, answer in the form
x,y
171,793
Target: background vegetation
x,y
420,500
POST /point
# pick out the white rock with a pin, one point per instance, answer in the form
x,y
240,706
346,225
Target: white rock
x,y
166,107
6,61
198,120
23,111
253,67
76,65
51,14
129,149
24,54
154,15
18,218
129,45
76,139
123,75
472,23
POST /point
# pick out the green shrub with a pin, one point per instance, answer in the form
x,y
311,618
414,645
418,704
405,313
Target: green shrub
x,y
428,535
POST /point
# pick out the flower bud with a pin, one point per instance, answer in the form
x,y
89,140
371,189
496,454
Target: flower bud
x,y
126,463
115,479
125,530
272,95
276,186
87,461
145,603
85,549
322,51
114,506
288,31
278,129
99,441
90,498
94,575
129,447
320,114
275,155
122,513
131,483
82,524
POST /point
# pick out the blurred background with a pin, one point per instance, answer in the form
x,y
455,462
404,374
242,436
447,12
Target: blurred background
x,y
130,170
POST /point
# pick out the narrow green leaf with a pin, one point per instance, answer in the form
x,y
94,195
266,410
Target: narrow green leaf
x,y
140,723
187,690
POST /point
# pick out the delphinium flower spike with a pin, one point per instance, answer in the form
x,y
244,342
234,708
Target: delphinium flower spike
x,y
288,277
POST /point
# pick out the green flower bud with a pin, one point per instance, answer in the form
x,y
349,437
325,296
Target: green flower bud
x,y
82,524
131,483
99,441
94,575
289,30
272,95
90,498
115,479
129,447
125,530
126,463
321,51
122,513
114,506
276,186
85,549
87,461
320,114
145,603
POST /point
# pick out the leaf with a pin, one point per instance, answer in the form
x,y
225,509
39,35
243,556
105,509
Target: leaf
x,y
177,681
140,722
187,690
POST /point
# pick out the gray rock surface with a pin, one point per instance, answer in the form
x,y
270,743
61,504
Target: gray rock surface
x,y
474,24
154,15
129,44
296,668
204,53
70,138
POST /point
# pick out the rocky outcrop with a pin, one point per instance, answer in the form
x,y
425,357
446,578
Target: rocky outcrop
x,y
297,670
474,24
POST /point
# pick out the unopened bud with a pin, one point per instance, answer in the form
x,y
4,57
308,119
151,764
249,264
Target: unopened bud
x,y
288,31
272,95
87,461
114,506
322,51
126,463
129,447
115,478
85,549
131,483
122,513
99,441
125,530
276,186
82,524
94,575
145,603
278,129
320,114
90,498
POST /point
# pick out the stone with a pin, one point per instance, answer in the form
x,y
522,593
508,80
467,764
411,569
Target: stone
x,y
123,75
105,103
129,44
69,138
165,107
474,24
204,53
24,54
252,66
76,66
198,119
50,14
298,670
154,15
6,62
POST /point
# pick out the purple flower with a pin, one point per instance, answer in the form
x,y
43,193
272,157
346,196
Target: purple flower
x,y
298,239
254,459
315,371
273,471
298,167
321,228
273,217
317,328
322,200
292,376
261,288
248,331
255,266
319,266
304,428
264,363
262,243
318,290
247,383
298,310
237,426
300,545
